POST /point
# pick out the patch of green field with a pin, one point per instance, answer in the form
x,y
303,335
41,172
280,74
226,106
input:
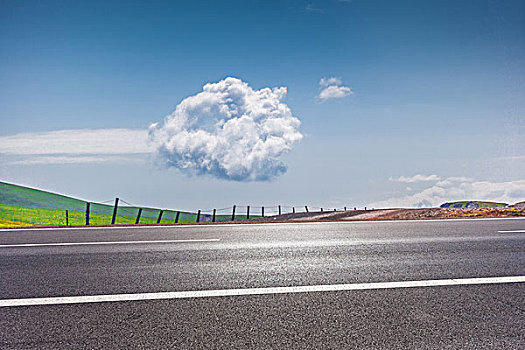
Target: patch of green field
x,y
7,223
32,198
20,216
23,206
469,204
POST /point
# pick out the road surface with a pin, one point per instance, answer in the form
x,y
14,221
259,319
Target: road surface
x,y
440,284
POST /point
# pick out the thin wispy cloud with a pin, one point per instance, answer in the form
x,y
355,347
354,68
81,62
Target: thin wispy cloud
x,y
50,160
511,158
312,8
77,141
332,88
416,178
78,146
229,131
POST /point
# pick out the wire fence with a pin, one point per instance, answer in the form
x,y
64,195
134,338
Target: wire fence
x,y
118,212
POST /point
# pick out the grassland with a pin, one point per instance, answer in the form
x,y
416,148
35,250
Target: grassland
x,y
473,204
23,206
22,196
19,216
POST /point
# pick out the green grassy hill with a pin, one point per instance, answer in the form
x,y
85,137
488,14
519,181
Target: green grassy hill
x,y
22,206
473,204
32,198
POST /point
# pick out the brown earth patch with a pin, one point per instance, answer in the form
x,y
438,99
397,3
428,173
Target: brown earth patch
x,y
396,214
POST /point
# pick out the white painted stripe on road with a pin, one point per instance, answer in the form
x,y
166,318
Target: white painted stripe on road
x,y
25,245
515,231
256,291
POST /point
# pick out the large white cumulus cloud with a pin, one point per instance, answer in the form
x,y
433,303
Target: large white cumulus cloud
x,y
229,131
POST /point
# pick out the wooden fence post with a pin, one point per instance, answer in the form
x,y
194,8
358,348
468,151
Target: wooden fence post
x,y
87,213
199,215
279,209
262,211
114,212
138,216
177,217
305,207
248,212
160,216
67,218
233,213
213,217
293,210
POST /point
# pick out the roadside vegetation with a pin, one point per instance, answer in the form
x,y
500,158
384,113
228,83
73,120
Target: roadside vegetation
x,y
20,216
474,204
23,206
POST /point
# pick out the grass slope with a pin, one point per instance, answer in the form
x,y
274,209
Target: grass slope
x,y
473,204
23,206
19,216
32,198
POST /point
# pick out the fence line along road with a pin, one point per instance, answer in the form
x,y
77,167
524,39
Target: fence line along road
x,y
102,213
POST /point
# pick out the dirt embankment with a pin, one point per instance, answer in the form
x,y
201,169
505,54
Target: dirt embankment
x,y
446,213
397,214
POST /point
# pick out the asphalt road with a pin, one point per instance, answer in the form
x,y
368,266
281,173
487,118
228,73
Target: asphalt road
x,y
225,257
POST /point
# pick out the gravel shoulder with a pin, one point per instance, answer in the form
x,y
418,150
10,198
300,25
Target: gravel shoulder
x,y
396,214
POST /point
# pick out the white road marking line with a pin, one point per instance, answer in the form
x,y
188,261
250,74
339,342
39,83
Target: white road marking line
x,y
209,225
515,231
24,245
256,291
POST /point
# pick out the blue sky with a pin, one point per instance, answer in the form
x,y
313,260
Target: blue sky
x,y
437,88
